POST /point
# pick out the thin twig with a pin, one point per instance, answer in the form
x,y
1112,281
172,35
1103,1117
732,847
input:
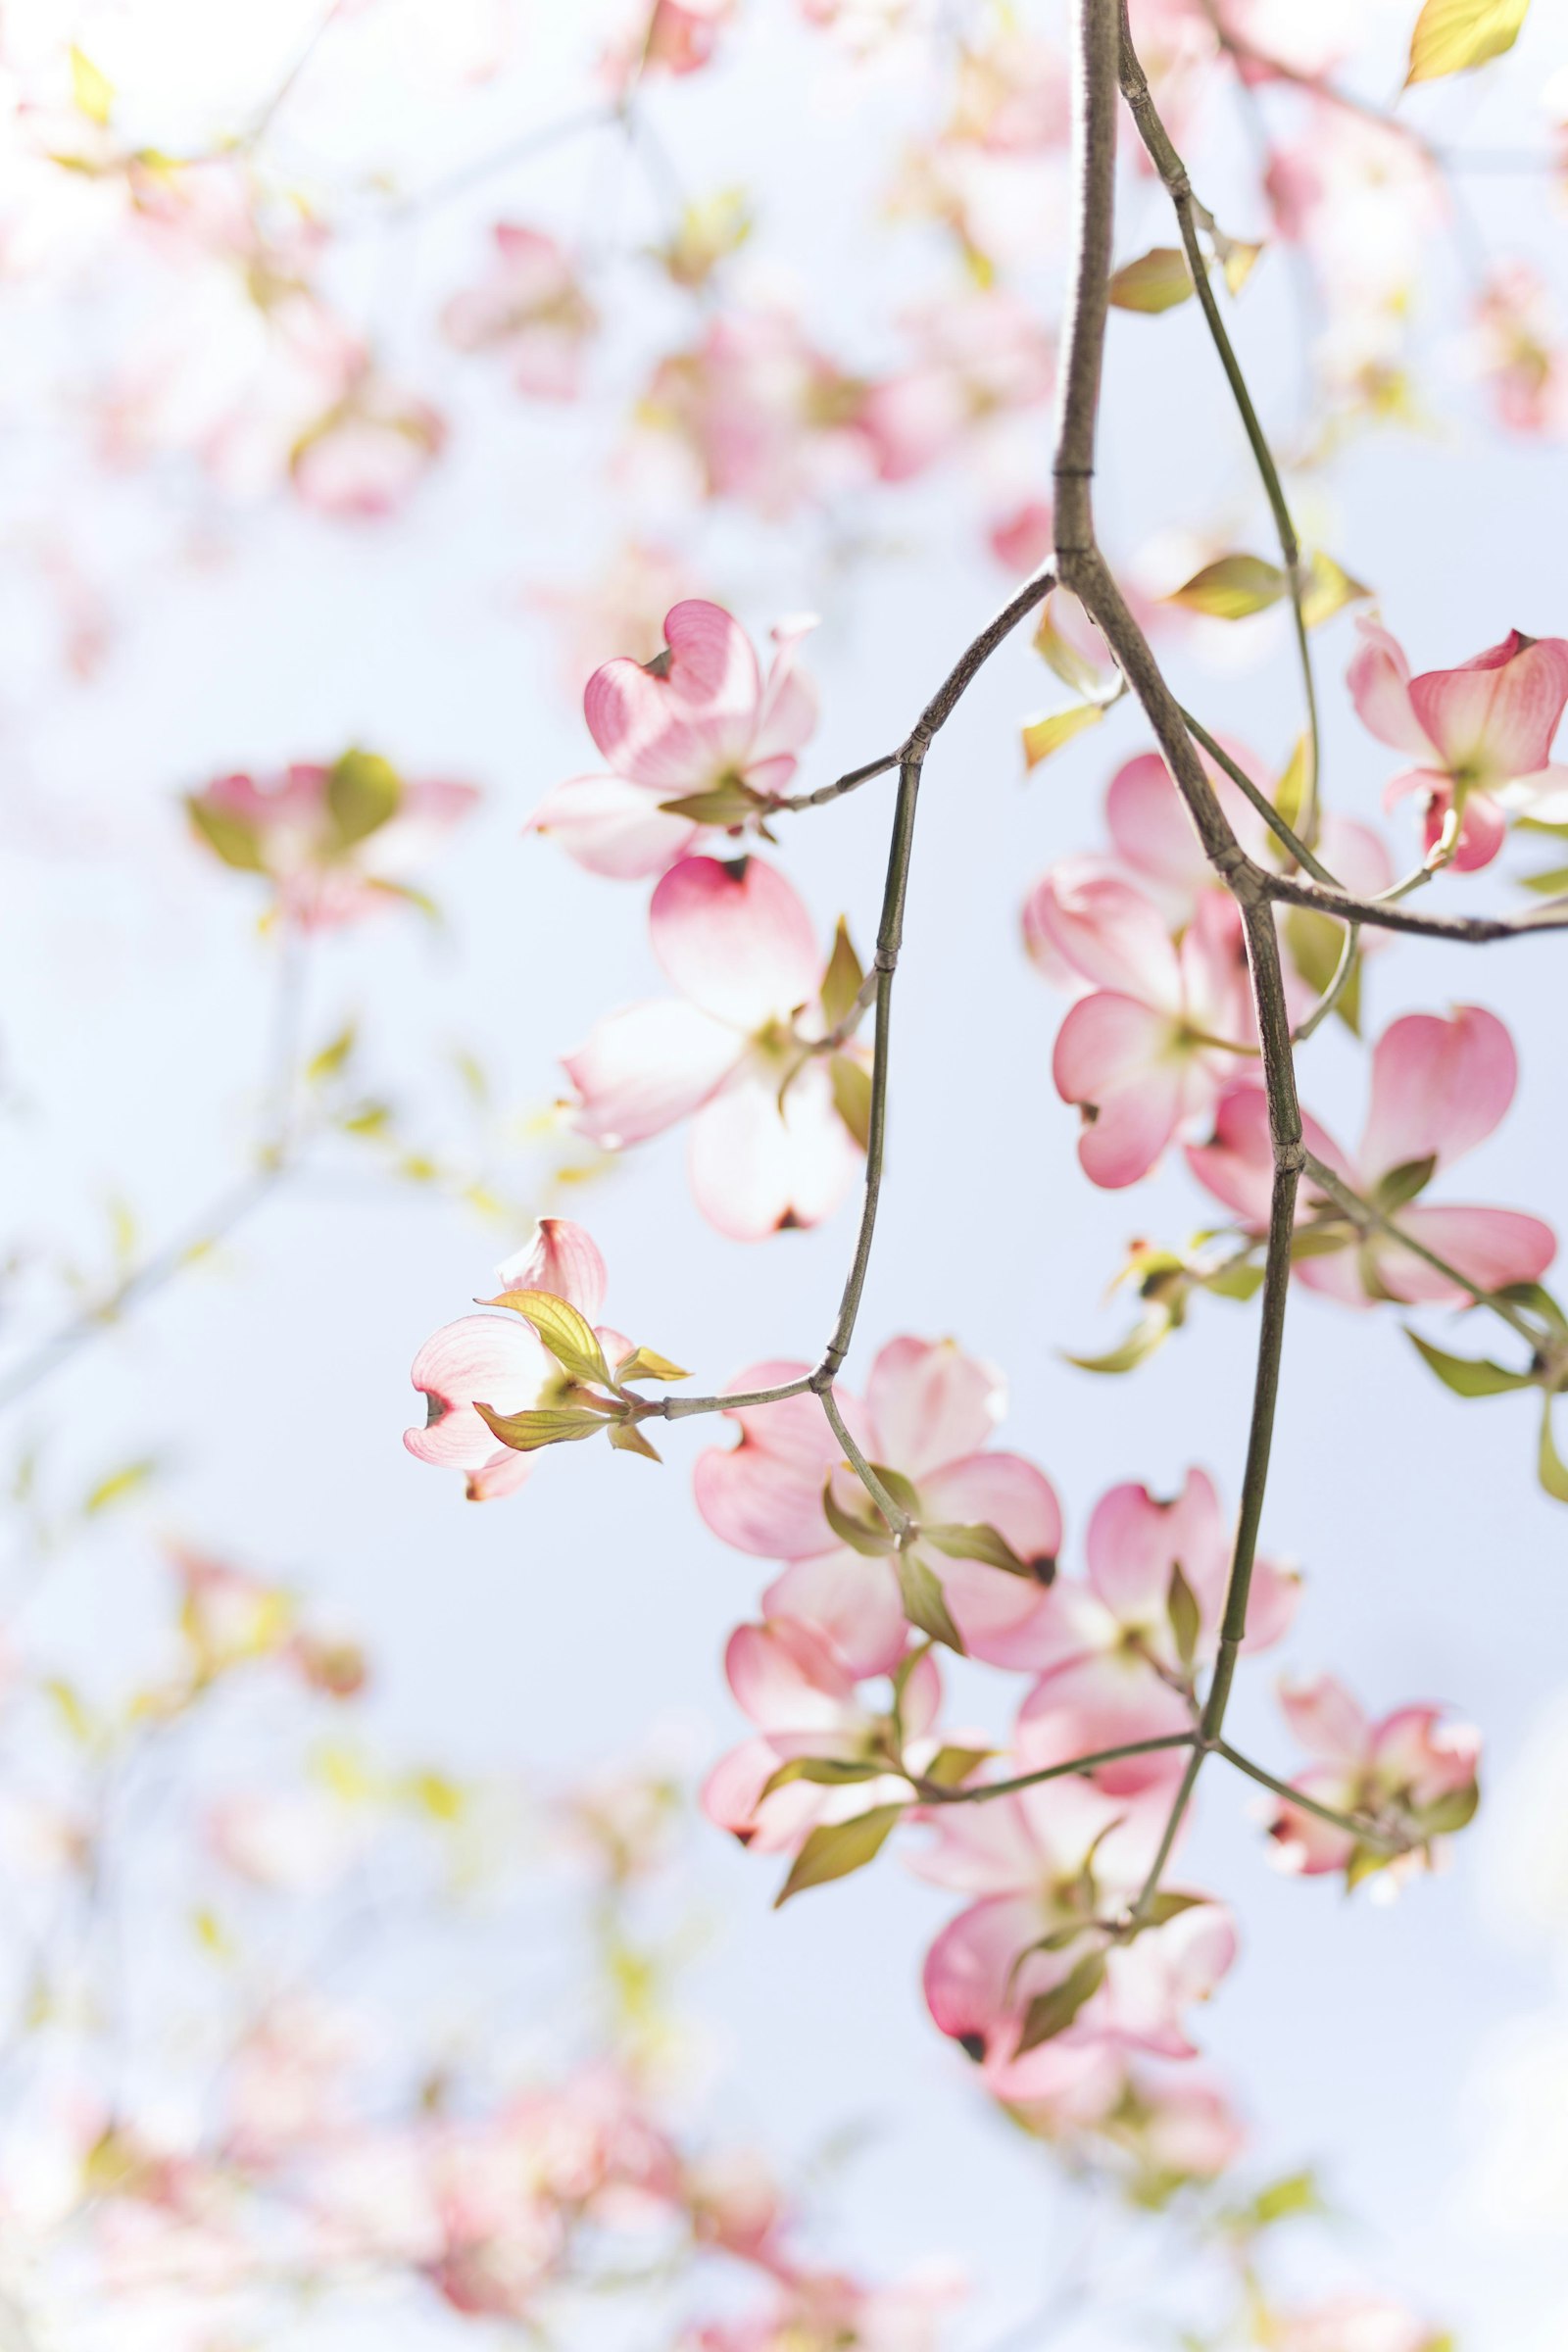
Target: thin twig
x,y
1351,1823
1366,1215
980,1793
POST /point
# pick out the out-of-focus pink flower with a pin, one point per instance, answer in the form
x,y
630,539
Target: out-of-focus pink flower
x,y
531,310
1112,1648
697,720
1354,2323
737,1048
665,37
1046,1862
1481,735
1519,352
624,604
766,416
975,359
800,1689
928,1411
361,459
1154,1044
1439,1088
338,843
500,1361
1167,2124
1023,537
1412,1775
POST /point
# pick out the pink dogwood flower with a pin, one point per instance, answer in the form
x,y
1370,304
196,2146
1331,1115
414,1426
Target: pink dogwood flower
x,y
1053,1865
1439,1088
498,1360
1121,1651
670,37
739,1051
929,1412
1481,736
531,310
700,722
1354,2323
1151,1048
336,842
1410,1776
762,415
800,1689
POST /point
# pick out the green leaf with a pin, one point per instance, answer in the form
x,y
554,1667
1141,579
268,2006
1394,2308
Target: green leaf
x,y
1071,667
330,1061
1450,1813
228,837
1291,790
92,93
1232,588
1166,1904
872,1542
1139,1345
568,1334
950,1767
1551,1467
1468,1375
924,1602
1551,883
1284,2200
627,1438
836,1848
1043,736
1453,37
850,1082
1156,281
1237,260
362,790
824,1772
1403,1182
1238,1280
1313,942
1328,590
986,1543
544,1425
1538,1300
840,982
644,1364
118,1486
1051,2013
1186,1618
730,801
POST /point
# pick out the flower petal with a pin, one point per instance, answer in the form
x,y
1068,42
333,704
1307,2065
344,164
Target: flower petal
x,y
1497,714
1114,1057
643,1068
678,731
612,828
561,1257
1109,931
1379,679
1439,1088
495,1359
735,939
1494,1247
930,1403
756,1167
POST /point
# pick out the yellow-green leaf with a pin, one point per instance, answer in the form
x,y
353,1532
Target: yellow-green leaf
x,y
1238,260
1329,589
840,982
925,1603
1452,36
627,1438
228,837
544,1425
1554,1471
567,1334
1232,588
92,93
836,1848
726,803
1051,2013
644,1364
851,1081
1071,667
1043,736
118,1486
1156,281
362,791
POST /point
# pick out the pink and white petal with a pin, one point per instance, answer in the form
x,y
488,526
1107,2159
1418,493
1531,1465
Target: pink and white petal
x,y
1002,1617
1337,1274
1414,1750
494,1359
995,1489
766,1494
613,828
503,1474
1109,931
1153,833
788,1678
1136,1541
643,1068
756,1170
968,1970
922,1697
852,1600
1497,714
1151,1984
1105,1701
1272,1603
1114,1059
1237,1165
1483,830
732,1799
1215,990
788,714
680,731
735,939
1543,795
1327,1721
1361,858
1379,679
1304,1845
1073,1624
930,1403
1439,1088
1494,1247
563,1258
